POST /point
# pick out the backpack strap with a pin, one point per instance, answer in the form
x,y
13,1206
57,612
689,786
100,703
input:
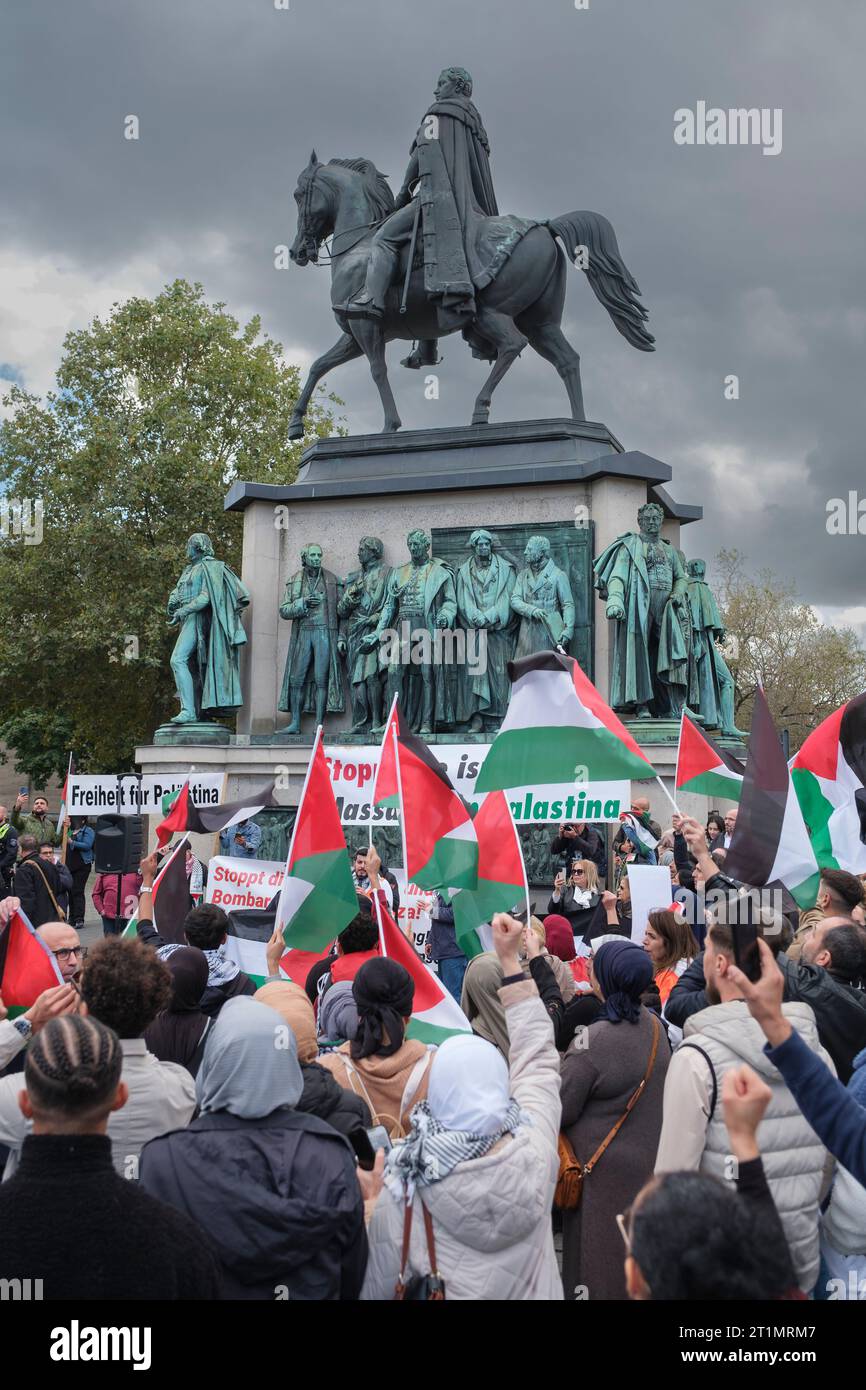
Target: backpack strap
x,y
709,1061
393,1126
416,1076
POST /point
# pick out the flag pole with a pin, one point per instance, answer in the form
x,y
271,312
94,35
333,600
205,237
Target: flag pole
x,y
400,797
381,755
668,795
307,775
66,810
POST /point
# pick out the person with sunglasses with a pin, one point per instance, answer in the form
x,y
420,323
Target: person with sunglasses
x,y
577,899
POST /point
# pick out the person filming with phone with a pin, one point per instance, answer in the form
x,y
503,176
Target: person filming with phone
x,y
724,1036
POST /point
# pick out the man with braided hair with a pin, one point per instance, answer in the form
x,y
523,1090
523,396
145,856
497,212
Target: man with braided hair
x,y
71,1225
125,985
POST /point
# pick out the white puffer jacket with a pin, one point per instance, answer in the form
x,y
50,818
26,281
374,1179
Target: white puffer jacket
x,y
795,1160
491,1216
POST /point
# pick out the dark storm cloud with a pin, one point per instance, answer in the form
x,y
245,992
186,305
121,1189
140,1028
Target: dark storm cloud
x,y
749,264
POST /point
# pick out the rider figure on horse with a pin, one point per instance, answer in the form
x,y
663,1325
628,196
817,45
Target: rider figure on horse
x,y
449,163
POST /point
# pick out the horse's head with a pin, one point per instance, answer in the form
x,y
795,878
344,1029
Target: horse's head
x,y
351,189
315,215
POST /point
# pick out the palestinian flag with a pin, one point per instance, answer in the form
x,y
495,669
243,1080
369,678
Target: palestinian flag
x,y
770,843
829,776
639,835
170,899
318,897
557,722
501,874
702,766
27,966
208,820
436,1015
440,847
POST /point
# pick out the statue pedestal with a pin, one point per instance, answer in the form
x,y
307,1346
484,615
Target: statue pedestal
x,y
200,734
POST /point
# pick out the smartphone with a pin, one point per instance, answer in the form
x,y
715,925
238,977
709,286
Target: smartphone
x,y
22,791
366,1143
745,935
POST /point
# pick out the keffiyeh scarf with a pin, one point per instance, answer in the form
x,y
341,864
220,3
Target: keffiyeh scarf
x,y
430,1151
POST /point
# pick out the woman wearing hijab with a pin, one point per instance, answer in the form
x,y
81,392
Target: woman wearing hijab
x,y
321,1095
179,1034
481,1001
556,936
602,1075
380,1064
274,1188
480,1158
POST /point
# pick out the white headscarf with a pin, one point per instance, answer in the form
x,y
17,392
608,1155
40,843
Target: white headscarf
x,y
469,1086
250,1065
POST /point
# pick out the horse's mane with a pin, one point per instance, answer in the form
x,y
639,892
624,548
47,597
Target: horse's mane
x,y
375,184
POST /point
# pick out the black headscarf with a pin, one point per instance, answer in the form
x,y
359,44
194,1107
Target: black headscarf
x,y
174,1036
384,993
623,970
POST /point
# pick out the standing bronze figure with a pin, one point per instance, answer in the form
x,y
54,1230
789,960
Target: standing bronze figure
x,y
312,680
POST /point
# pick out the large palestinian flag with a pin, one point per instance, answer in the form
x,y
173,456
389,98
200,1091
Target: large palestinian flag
x,y
770,843
702,766
501,874
436,1015
440,846
557,722
318,897
829,776
27,966
208,820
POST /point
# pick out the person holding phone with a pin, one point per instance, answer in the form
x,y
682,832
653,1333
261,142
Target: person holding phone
x,y
576,897
719,1038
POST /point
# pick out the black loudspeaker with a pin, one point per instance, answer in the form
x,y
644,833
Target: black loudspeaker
x,y
119,844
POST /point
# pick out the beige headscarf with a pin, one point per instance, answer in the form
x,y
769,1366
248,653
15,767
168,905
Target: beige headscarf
x,y
293,1006
481,1003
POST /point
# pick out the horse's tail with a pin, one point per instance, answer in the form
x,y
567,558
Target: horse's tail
x,y
612,283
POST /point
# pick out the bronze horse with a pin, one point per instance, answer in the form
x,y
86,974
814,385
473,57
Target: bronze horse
x,y
346,199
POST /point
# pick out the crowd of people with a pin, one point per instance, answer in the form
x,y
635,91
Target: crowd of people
x,y
625,1119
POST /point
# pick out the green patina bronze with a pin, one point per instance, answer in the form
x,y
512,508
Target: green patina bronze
x,y
206,603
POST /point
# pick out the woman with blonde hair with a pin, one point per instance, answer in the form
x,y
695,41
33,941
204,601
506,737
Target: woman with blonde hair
x,y
578,899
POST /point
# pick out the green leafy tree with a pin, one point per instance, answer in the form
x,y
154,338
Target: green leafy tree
x,y
807,668
158,409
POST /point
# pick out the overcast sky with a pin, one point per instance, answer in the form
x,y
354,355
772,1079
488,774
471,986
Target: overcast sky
x,y
749,264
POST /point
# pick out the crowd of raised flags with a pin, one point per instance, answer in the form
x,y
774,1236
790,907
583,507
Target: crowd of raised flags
x,y
794,819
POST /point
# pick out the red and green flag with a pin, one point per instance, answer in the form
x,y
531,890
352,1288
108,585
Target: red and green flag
x,y
170,898
181,814
501,874
556,722
436,1015
318,897
27,966
702,766
440,847
829,776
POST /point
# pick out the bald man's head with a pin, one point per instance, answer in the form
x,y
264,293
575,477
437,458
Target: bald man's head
x,y
60,938
640,804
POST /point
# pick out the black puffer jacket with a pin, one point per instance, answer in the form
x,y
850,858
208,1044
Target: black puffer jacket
x,y
278,1197
839,1009
324,1096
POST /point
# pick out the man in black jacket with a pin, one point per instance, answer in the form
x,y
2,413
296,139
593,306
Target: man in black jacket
x,y
8,852
37,884
828,977
70,1223
578,840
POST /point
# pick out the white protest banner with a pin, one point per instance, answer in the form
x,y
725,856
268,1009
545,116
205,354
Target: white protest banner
x,y
413,914
119,796
353,770
650,888
242,885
